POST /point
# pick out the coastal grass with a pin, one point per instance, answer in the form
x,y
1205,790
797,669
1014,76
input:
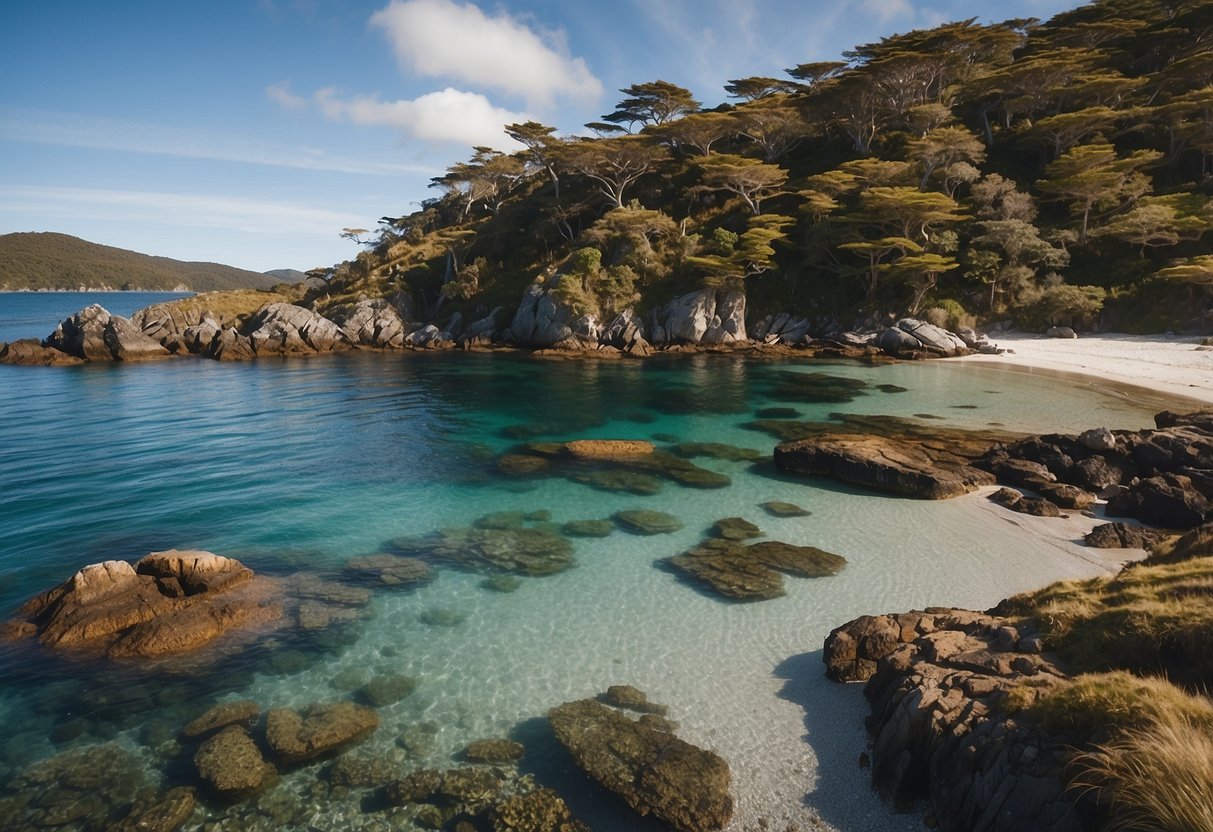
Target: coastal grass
x,y
1100,707
1151,619
232,308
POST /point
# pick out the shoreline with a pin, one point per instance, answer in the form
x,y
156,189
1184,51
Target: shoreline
x,y
1171,366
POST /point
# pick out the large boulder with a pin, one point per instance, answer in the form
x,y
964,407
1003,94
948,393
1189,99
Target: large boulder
x,y
169,603
655,772
95,335
31,352
543,319
319,730
167,324
708,316
229,345
285,329
932,338
373,323
1168,500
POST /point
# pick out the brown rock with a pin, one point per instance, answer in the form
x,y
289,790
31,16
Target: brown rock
x,y
231,764
539,811
319,730
243,713
494,751
607,448
632,699
751,573
653,771
30,352
164,813
1123,536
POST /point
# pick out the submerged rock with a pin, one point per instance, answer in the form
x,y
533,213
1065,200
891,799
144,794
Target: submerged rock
x,y
607,448
388,689
751,573
242,713
522,551
646,522
735,528
494,751
231,765
387,570
624,482
655,772
539,811
318,730
587,528
166,812
168,603
776,508
717,450
633,699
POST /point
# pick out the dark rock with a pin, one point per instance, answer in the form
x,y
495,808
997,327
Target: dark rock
x,y
587,528
1067,496
775,508
1095,473
777,413
242,713
388,689
632,699
1123,536
1167,500
1060,332
390,570
166,812
317,731
735,528
717,450
231,765
494,751
1197,543
646,522
1023,472
522,551
653,771
625,482
751,573
415,787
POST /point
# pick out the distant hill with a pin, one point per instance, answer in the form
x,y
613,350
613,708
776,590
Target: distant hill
x,y
47,260
287,275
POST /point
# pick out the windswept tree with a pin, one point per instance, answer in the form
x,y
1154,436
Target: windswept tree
x,y
812,75
943,147
749,178
1161,221
1093,175
1196,271
488,179
1008,255
655,102
698,131
614,164
746,255
756,87
775,124
539,141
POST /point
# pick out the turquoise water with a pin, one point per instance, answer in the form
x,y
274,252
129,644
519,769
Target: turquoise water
x,y
36,314
301,465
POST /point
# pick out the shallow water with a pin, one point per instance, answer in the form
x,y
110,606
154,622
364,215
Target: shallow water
x,y
301,465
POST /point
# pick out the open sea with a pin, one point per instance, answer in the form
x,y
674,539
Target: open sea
x,y
297,466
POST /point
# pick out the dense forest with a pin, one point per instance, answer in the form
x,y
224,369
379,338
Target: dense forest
x,y
46,260
1056,172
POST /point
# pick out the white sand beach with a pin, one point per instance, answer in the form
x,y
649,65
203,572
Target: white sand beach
x,y
1172,365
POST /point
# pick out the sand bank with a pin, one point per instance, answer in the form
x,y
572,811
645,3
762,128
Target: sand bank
x,y
1172,365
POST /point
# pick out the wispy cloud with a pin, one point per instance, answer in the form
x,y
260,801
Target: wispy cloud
x,y
888,10
74,130
447,39
447,115
281,95
175,209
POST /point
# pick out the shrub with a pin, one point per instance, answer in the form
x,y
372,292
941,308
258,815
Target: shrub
x,y
1060,305
949,314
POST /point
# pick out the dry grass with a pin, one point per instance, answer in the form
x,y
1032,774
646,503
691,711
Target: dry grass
x,y
232,308
1098,707
1156,778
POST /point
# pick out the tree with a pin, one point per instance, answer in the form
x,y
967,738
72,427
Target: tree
x,y
1060,132
750,179
943,147
745,255
655,102
875,253
909,212
355,235
1161,221
811,75
1019,254
998,198
698,131
774,123
539,141
627,234
755,87
922,272
1197,271
488,179
613,163
1092,175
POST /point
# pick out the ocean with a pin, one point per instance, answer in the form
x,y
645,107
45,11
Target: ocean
x,y
297,466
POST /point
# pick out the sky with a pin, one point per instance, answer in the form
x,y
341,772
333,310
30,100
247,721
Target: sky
x,y
252,132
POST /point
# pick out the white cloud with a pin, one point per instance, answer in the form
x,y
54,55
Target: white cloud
x,y
76,130
886,10
447,115
281,95
176,209
457,40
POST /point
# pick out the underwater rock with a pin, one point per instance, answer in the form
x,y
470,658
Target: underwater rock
x,y
166,812
361,771
587,528
387,689
394,571
414,787
751,573
231,765
625,482
776,508
521,464
633,699
539,811
633,473
242,713
607,448
502,583
816,388
319,730
735,528
442,617
494,751
717,450
83,788
522,551
168,603
655,772
646,522
777,413
500,520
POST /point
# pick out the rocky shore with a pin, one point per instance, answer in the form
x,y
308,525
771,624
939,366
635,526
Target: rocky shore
x,y
709,319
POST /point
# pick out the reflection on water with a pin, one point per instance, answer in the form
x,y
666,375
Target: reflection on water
x,y
299,466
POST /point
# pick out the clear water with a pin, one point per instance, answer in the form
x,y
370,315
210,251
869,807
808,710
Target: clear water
x,y
36,314
301,465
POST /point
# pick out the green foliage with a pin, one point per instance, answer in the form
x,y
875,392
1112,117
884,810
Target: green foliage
x,y
1059,305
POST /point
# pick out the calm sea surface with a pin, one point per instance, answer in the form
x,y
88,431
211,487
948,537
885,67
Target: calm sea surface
x,y
36,314
298,466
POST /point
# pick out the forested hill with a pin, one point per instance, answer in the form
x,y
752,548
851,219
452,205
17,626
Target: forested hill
x,y
45,260
1035,171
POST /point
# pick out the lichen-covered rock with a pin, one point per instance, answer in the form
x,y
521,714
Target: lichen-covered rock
x,y
231,765
318,730
655,772
243,713
95,335
169,603
539,811
494,751
373,323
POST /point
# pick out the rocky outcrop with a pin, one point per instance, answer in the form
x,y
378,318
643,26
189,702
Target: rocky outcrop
x,y
168,603
625,332
708,316
782,329
607,448
910,336
920,467
373,323
317,731
30,352
284,329
936,682
95,335
179,328
542,318
655,772
1123,536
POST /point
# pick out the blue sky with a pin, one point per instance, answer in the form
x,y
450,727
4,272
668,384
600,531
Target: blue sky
x,y
252,132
